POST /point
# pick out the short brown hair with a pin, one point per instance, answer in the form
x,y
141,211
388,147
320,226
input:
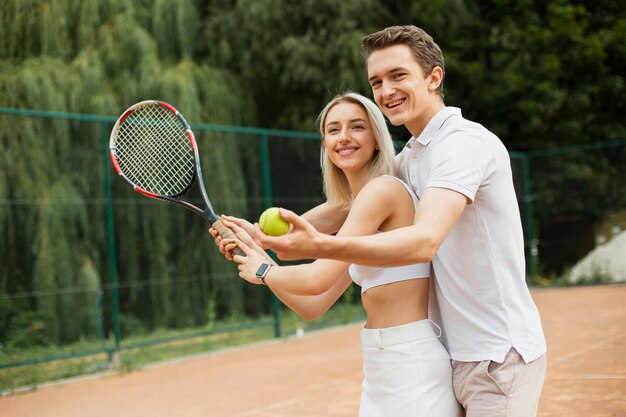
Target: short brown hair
x,y
426,51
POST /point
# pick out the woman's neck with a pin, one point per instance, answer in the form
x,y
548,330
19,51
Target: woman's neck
x,y
357,180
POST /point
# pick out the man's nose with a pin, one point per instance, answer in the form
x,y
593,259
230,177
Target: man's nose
x,y
388,91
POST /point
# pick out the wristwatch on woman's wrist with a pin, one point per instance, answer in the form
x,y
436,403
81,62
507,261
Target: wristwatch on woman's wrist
x,y
262,272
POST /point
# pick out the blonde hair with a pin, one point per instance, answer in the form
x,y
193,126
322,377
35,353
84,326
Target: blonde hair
x,y
336,186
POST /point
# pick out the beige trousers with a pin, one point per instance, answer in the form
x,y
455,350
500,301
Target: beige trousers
x,y
508,389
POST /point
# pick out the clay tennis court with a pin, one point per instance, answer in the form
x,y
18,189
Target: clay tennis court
x,y
320,373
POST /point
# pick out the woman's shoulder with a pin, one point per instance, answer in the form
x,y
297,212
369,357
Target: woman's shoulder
x,y
389,184
387,190
384,204
383,183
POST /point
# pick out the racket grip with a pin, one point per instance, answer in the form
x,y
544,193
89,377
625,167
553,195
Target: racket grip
x,y
226,233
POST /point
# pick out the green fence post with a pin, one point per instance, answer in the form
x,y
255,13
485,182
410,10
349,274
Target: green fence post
x,y
110,235
530,215
267,197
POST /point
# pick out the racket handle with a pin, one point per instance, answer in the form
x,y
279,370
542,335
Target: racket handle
x,y
226,233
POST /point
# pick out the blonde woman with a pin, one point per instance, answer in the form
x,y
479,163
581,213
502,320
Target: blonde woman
x,y
407,371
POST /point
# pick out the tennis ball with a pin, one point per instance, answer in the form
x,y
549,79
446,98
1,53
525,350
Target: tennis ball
x,y
272,224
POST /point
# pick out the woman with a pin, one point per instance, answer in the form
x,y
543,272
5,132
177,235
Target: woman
x,y
407,370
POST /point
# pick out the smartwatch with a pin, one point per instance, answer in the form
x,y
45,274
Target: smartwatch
x,y
262,272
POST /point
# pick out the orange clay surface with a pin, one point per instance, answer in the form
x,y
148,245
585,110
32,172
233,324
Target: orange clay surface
x,y
320,373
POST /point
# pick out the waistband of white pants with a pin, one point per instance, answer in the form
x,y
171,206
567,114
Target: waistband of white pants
x,y
422,329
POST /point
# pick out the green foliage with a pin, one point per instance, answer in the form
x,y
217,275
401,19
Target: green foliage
x,y
100,57
131,326
62,265
211,312
347,300
27,329
540,74
597,275
292,56
178,24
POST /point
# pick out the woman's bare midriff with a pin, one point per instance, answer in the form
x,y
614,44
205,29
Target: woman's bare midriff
x,y
396,303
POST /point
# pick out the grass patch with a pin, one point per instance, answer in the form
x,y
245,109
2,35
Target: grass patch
x,y
160,345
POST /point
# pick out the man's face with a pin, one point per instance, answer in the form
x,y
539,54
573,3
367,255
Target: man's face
x,y
400,88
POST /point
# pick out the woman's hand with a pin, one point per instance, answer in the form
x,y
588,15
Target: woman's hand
x,y
255,255
250,264
226,246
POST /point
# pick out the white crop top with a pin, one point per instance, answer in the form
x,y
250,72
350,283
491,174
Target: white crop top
x,y
368,277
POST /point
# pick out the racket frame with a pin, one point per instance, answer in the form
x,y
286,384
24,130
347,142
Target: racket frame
x,y
207,213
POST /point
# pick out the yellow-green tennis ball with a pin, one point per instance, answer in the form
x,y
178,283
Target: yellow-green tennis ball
x,y
272,224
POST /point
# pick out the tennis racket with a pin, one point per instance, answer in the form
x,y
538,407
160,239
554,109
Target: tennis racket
x,y
155,151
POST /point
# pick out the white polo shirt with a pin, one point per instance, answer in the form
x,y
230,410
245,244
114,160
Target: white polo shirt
x,y
480,296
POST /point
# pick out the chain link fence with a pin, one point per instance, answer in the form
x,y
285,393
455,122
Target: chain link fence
x,y
90,268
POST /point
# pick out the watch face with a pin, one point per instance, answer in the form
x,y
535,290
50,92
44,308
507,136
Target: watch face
x,y
261,270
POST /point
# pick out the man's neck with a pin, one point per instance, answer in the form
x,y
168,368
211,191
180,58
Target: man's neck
x,y
417,125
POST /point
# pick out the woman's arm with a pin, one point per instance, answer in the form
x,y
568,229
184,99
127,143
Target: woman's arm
x,y
313,306
309,307
378,201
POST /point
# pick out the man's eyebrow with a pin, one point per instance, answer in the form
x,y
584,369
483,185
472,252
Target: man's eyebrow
x,y
391,71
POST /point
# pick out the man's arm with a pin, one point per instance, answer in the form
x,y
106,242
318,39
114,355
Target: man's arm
x,y
438,210
325,218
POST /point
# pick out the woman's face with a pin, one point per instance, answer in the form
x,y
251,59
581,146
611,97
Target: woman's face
x,y
348,138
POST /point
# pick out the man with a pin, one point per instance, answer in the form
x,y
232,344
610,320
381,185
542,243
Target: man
x,y
467,223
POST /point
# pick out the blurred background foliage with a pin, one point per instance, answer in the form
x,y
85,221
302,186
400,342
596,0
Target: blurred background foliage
x,y
539,73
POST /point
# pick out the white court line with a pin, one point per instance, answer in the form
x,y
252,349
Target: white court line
x,y
590,377
263,410
586,349
270,407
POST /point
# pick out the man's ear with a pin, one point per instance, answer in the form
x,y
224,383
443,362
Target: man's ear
x,y
436,77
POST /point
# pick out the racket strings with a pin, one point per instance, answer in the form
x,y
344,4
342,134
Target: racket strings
x,y
154,151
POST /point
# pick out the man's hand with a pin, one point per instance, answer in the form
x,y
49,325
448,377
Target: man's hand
x,y
302,242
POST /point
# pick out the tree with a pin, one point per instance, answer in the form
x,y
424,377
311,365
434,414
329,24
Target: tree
x,y
100,57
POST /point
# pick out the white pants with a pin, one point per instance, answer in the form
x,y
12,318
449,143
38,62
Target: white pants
x,y
407,373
